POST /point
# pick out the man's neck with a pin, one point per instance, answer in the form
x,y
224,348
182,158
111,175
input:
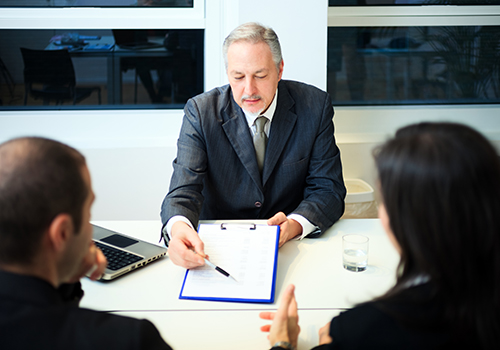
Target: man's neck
x,y
39,271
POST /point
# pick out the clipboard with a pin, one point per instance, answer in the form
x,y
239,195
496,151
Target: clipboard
x,y
249,252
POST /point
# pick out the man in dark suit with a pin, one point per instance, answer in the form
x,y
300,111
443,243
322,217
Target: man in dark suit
x,y
46,247
222,170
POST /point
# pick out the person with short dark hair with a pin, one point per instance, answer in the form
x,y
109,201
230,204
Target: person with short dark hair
x,y
46,247
257,148
440,189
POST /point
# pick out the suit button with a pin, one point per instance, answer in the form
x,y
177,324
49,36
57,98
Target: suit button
x,y
258,204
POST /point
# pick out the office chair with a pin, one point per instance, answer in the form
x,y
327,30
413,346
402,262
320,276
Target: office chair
x,y
7,78
50,75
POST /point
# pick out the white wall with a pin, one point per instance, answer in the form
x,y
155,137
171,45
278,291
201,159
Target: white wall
x,y
129,154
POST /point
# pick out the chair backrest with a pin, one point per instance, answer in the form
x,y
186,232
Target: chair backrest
x,y
7,78
48,67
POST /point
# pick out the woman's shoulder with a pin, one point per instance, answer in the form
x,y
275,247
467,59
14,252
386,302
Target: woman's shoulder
x,y
390,323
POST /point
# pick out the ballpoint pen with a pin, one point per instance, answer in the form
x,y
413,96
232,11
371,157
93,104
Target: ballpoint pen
x,y
217,268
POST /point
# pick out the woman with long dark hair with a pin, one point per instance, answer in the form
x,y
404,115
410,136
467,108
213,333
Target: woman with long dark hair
x,y
440,189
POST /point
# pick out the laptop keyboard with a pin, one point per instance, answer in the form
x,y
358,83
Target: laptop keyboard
x,y
117,258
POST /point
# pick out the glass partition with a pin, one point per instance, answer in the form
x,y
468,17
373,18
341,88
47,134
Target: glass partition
x,y
125,68
414,65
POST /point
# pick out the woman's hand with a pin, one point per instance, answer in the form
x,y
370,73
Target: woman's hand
x,y
285,326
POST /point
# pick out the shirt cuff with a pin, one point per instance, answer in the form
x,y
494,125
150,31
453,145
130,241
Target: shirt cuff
x,y
307,227
173,220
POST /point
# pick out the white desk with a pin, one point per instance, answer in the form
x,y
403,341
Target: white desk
x,y
323,289
228,329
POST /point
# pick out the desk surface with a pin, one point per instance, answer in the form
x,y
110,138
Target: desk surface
x,y
95,47
151,58
313,265
323,289
228,329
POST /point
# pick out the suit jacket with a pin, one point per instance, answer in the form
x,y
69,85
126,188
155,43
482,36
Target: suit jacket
x,y
35,315
216,175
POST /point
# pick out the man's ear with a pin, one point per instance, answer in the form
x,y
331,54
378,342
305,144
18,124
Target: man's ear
x,y
280,69
60,231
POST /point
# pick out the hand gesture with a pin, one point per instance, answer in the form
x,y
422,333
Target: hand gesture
x,y
285,326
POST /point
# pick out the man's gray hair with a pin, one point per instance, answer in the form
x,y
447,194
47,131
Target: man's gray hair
x,y
254,33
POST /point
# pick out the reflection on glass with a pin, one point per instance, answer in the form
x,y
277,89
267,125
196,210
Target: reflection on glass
x,y
410,2
95,3
414,65
154,68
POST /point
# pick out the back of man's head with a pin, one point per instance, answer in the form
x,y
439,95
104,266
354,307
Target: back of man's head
x,y
39,179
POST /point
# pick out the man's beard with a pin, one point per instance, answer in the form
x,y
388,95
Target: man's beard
x,y
253,97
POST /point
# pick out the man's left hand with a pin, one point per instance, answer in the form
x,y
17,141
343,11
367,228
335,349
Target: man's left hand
x,y
289,228
93,265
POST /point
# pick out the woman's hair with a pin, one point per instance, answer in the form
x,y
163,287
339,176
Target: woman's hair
x,y
440,185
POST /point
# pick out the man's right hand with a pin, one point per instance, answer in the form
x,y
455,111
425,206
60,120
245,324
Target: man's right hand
x,y
183,244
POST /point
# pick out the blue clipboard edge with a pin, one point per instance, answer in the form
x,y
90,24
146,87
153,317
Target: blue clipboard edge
x,y
237,300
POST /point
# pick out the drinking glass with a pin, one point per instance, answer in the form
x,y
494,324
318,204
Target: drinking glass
x,y
355,252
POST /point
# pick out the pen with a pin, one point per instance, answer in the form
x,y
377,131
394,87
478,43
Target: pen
x,y
217,268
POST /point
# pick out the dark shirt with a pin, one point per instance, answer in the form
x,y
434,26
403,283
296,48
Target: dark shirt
x,y
412,319
35,315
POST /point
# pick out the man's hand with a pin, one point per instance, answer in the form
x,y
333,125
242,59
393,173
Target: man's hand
x,y
324,334
285,326
93,265
289,228
183,241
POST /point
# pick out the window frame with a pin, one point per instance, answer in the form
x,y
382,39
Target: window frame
x,y
116,128
413,16
214,18
366,124
104,18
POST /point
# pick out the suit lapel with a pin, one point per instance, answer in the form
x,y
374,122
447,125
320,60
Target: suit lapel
x,y
238,134
281,128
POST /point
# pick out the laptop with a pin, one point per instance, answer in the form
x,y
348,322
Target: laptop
x,y
133,39
124,253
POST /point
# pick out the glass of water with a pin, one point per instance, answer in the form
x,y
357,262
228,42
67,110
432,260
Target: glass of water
x,y
355,252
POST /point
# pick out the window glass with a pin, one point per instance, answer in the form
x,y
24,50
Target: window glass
x,y
410,2
95,3
69,69
414,65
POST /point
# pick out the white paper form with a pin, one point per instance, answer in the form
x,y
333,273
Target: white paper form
x,y
249,255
